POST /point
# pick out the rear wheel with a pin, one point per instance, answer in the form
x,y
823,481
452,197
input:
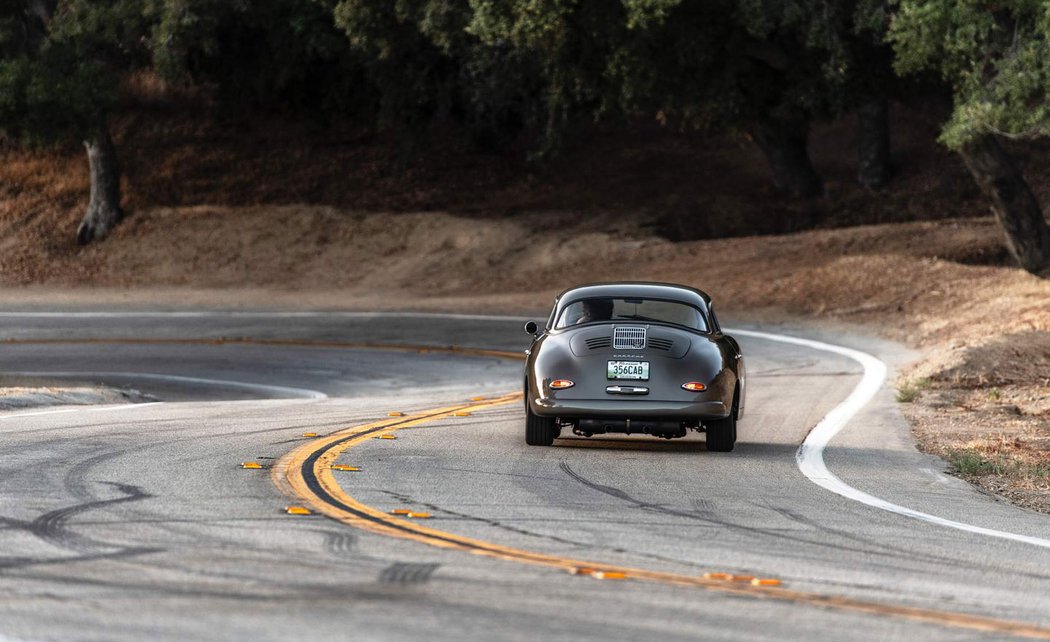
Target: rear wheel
x,y
539,431
721,434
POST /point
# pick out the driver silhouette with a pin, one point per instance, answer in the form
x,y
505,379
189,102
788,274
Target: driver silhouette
x,y
596,310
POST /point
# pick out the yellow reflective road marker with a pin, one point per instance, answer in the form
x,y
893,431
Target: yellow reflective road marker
x,y
309,434
395,413
477,399
609,575
387,437
400,511
312,461
461,414
251,464
344,467
415,515
297,510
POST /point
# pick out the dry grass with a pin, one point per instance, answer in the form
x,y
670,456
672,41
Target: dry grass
x,y
999,442
910,390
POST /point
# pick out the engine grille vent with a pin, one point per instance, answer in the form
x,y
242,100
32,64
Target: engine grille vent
x,y
597,343
629,338
660,344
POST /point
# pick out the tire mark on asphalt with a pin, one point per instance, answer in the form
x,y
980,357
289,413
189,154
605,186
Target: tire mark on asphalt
x,y
588,546
52,526
340,543
9,563
658,508
867,547
74,480
407,573
939,560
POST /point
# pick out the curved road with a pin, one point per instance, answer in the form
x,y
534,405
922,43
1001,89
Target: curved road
x,y
136,521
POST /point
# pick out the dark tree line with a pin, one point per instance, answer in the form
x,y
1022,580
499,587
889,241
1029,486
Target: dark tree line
x,y
507,70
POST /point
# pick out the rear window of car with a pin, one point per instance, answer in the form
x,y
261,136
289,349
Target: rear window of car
x,y
606,309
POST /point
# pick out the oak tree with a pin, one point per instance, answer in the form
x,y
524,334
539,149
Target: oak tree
x,y
996,58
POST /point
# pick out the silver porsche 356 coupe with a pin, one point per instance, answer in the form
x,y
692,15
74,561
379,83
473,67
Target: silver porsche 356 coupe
x,y
629,358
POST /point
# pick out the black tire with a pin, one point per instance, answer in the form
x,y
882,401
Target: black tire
x,y
539,431
721,434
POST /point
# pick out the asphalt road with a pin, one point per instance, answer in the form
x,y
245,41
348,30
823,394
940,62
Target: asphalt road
x,y
136,522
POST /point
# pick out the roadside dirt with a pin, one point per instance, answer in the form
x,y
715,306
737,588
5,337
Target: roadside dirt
x,y
22,393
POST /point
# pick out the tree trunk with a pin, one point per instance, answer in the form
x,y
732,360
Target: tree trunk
x,y
873,142
785,143
1014,205
103,211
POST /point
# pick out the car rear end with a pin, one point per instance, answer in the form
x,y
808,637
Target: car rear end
x,y
630,378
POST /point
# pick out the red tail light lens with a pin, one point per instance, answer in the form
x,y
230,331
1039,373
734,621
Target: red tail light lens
x,y
561,384
694,386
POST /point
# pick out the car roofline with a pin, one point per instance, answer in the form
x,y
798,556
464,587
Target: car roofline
x,y
655,289
631,289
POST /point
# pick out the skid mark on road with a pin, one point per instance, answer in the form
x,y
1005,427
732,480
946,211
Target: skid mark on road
x,y
518,530
52,528
407,573
305,473
711,518
340,543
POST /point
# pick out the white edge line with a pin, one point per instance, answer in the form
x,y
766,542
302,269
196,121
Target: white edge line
x,y
810,455
78,408
303,393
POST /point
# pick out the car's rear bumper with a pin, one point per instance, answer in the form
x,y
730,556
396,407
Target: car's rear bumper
x,y
628,409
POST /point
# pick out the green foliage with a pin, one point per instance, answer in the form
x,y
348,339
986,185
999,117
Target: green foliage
x,y
578,50
426,65
718,64
279,54
59,73
973,463
911,390
54,96
995,57
501,67
409,51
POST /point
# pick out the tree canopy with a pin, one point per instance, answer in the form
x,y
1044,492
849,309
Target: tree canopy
x,y
60,66
534,71
995,57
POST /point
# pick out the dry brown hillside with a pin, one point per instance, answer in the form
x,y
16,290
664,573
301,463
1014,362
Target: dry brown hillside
x,y
685,185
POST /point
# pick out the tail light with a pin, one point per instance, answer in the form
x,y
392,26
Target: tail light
x,y
561,384
694,386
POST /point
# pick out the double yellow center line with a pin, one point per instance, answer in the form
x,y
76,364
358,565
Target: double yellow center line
x,y
306,473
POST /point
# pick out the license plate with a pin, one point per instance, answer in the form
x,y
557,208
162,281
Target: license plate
x,y
629,370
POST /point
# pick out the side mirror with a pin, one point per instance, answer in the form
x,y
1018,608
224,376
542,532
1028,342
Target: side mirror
x,y
531,327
